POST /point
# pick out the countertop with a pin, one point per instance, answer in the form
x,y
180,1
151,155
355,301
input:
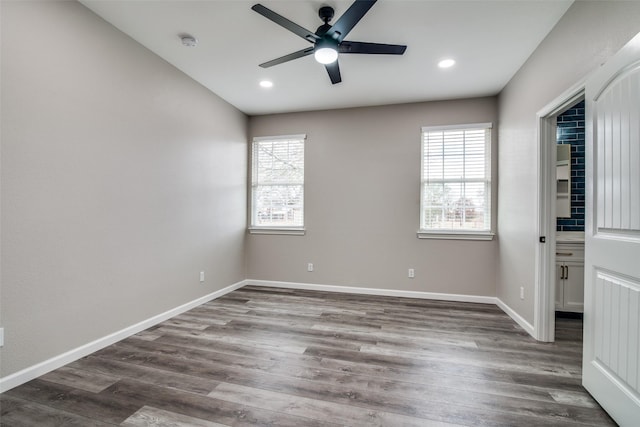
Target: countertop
x,y
570,237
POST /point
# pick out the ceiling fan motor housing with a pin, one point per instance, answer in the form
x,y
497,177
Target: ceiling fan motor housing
x,y
327,42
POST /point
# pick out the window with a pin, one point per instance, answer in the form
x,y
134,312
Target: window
x,y
277,184
455,197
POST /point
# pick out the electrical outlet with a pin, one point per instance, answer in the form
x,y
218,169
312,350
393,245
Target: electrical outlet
x,y
412,273
310,266
202,276
1,337
521,292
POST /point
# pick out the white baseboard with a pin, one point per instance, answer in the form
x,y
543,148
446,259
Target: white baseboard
x,y
405,294
516,317
375,291
56,362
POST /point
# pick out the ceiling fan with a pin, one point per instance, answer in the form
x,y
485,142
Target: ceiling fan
x,y
328,40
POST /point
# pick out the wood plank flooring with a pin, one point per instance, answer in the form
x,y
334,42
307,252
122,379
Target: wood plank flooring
x,y
282,357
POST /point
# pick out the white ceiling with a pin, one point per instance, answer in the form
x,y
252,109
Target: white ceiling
x,y
490,40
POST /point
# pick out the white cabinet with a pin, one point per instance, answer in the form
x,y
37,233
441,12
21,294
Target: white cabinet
x,y
570,277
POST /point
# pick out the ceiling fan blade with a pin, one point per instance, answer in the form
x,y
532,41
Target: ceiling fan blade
x,y
284,22
350,18
289,57
371,48
334,72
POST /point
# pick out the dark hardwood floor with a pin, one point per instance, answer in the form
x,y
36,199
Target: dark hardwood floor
x,y
281,357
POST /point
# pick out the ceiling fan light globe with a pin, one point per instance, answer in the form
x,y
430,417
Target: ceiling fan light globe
x,y
326,55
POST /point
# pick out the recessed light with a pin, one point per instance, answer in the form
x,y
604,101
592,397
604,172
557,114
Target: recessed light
x,y
266,83
446,63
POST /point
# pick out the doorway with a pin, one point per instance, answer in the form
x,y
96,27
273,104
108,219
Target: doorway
x,y
547,270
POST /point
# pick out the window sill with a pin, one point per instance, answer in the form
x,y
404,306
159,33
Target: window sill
x,y
455,235
290,231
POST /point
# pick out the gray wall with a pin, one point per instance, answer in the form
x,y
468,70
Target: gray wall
x,y
588,34
362,185
122,179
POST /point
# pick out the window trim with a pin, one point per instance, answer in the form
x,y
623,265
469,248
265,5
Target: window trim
x,y
455,235
289,231
274,230
464,234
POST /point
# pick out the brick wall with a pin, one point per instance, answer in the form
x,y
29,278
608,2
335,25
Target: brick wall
x,y
571,131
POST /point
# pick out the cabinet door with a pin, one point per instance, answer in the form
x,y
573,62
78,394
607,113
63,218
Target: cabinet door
x,y
559,286
574,287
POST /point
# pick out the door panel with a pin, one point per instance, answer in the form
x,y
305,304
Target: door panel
x,y
618,184
612,236
616,349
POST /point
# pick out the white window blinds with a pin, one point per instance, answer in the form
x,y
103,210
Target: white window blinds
x,y
456,178
277,182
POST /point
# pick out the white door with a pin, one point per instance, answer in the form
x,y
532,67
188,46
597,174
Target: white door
x,y
611,360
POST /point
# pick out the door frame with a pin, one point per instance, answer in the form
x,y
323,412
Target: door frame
x,y
544,322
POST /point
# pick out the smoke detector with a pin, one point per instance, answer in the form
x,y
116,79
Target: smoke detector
x,y
188,40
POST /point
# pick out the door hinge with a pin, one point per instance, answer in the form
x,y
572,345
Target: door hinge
x,y
543,239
